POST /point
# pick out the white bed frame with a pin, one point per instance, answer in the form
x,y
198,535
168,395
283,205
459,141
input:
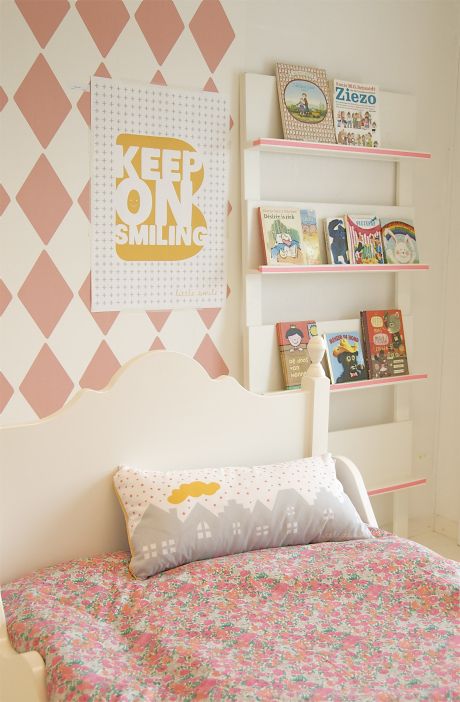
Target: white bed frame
x,y
161,411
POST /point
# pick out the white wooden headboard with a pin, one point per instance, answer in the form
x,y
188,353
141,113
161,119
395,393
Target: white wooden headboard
x,y
161,411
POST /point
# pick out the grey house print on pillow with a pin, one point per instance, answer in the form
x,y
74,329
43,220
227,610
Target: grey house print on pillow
x,y
162,541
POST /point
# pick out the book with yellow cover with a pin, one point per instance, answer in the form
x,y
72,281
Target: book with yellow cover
x,y
290,236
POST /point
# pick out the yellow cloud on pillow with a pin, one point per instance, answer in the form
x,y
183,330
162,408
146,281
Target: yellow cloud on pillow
x,y
195,489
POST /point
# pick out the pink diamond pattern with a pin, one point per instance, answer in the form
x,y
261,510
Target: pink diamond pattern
x,y
210,86
44,199
84,103
104,21
158,79
6,392
45,294
208,315
209,357
212,32
43,17
161,26
157,345
46,386
4,199
5,297
3,98
85,200
42,101
104,320
101,368
158,318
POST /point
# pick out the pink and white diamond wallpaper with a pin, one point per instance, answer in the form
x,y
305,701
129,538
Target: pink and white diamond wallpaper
x,y
52,344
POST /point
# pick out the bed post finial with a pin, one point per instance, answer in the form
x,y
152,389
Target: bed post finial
x,y
316,349
317,383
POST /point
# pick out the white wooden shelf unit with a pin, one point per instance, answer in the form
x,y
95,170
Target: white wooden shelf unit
x,y
332,179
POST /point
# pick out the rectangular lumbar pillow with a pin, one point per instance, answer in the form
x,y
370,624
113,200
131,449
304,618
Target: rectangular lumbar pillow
x,y
176,517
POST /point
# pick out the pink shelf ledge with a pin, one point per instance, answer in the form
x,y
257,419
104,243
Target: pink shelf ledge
x,y
397,486
293,146
378,381
347,268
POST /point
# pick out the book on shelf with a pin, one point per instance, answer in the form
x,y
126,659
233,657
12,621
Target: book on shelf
x,y
335,237
399,242
356,113
293,338
364,238
345,358
290,236
305,103
384,343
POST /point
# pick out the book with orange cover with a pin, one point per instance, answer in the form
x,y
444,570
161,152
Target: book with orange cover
x,y
293,338
384,343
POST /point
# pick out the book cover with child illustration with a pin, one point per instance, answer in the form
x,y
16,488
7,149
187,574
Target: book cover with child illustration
x,y
289,235
305,103
356,113
293,338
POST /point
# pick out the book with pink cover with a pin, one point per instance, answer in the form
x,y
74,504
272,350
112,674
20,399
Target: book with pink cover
x,y
364,237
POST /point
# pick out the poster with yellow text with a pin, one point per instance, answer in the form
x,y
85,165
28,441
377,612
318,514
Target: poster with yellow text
x,y
159,193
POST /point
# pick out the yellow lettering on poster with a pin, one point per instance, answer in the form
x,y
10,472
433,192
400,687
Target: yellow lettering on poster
x,y
156,217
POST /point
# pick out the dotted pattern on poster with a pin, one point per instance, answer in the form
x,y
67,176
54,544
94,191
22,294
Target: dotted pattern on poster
x,y
199,118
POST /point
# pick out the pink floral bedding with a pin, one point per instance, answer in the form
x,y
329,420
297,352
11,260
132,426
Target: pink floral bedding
x,y
360,620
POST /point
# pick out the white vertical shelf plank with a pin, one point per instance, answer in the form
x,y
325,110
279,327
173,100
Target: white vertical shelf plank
x,y
404,195
401,513
253,299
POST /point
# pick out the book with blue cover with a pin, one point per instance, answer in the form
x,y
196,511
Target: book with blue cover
x,y
345,356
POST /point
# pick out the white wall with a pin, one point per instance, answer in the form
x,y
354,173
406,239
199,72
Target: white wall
x,y
447,503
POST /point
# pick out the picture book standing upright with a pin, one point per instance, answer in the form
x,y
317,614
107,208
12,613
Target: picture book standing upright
x,y
289,236
344,352
384,343
306,111
399,243
356,114
335,236
293,338
364,239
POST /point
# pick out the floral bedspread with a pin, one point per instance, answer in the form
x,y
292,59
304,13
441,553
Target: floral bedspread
x,y
369,620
